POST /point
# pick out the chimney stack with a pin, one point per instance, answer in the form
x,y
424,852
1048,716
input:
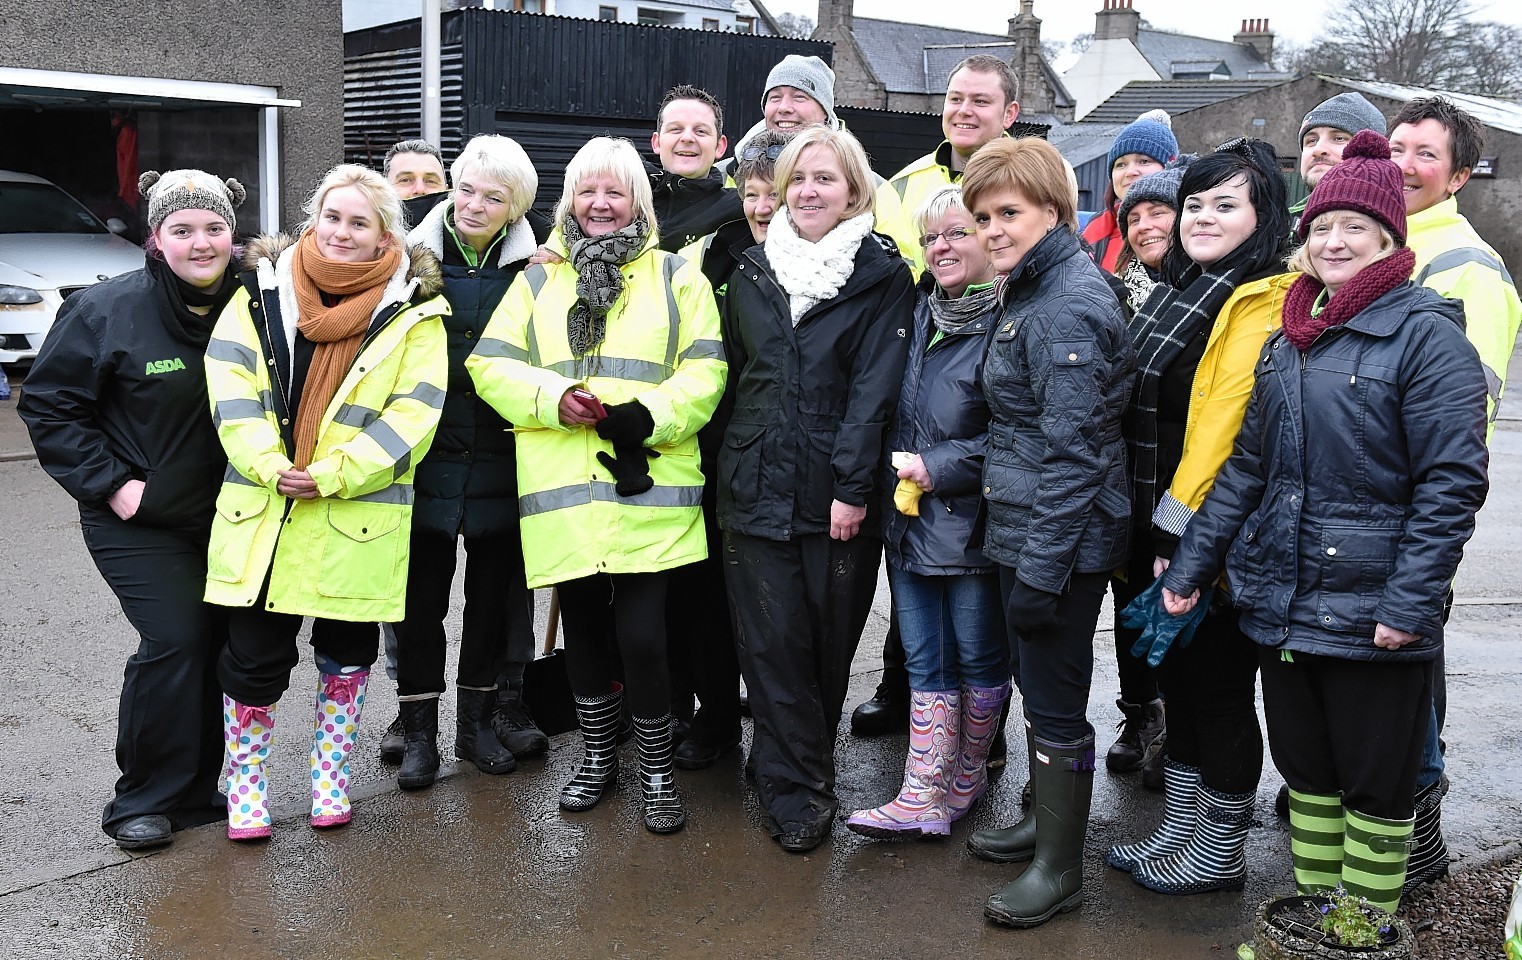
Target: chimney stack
x,y
1117,21
1256,34
1027,60
836,13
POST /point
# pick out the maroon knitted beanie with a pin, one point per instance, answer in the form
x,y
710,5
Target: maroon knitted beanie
x,y
1366,181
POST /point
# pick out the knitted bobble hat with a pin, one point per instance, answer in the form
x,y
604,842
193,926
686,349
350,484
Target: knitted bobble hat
x,y
1150,134
177,190
1160,187
811,75
1366,182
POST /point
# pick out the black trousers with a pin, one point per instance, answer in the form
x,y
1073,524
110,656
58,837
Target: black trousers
x,y
1211,684
1355,727
702,643
799,608
255,667
169,721
1054,667
627,609
1138,682
498,620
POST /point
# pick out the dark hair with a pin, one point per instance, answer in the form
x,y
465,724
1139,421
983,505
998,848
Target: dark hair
x,y
1259,163
411,146
758,156
686,91
988,63
1466,134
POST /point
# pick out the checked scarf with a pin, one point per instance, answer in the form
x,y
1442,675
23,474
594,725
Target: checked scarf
x,y
598,278
1166,322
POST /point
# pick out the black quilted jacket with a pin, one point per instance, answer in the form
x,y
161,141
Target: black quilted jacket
x,y
1056,379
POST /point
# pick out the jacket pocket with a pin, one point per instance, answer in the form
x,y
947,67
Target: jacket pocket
x,y
1246,564
1355,562
233,530
364,552
817,434
740,468
1010,492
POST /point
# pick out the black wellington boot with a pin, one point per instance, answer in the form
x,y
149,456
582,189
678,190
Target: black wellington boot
x,y
420,757
474,739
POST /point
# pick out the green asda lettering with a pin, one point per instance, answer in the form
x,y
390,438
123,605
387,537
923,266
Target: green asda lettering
x,y
164,366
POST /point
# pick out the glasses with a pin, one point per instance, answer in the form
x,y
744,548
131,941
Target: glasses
x,y
952,236
751,152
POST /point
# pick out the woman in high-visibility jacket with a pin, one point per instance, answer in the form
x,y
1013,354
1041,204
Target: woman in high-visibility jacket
x,y
327,373
607,363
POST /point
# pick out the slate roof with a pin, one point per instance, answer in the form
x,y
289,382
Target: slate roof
x,y
1081,142
1174,96
917,58
1501,114
1164,50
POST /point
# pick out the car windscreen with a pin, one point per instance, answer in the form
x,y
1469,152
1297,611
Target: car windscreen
x,y
43,208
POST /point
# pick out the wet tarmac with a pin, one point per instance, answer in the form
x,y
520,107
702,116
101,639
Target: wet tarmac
x,y
484,866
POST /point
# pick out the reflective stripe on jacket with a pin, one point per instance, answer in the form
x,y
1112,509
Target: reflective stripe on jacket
x,y
661,348
342,555
1453,262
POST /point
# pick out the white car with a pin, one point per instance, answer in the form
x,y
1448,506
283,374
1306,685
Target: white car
x,y
51,247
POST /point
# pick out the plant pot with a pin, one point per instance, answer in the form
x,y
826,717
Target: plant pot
x,y
1279,935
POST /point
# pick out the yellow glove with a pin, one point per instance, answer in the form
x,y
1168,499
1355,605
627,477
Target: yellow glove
x,y
906,497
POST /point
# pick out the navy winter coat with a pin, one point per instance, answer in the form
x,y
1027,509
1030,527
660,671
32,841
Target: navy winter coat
x,y
1358,513
1056,379
942,417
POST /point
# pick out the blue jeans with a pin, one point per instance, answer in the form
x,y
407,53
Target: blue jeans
x,y
953,629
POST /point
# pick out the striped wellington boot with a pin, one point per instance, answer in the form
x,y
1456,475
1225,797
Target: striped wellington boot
x,y
340,700
1181,787
1315,840
1213,858
919,810
982,707
1374,852
1429,853
247,732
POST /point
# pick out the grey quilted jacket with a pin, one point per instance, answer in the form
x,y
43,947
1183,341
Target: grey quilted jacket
x,y
1056,379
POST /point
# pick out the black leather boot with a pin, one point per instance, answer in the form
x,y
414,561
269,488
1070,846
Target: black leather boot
x,y
420,757
475,740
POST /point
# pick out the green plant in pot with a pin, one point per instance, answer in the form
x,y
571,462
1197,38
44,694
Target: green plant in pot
x,y
1326,926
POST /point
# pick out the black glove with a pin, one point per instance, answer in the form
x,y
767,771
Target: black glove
x,y
626,423
1030,610
630,468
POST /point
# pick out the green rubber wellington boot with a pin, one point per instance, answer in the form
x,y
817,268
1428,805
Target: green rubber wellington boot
x,y
1014,844
1062,779
1316,840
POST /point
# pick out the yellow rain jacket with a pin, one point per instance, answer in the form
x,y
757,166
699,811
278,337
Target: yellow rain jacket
x,y
342,555
662,348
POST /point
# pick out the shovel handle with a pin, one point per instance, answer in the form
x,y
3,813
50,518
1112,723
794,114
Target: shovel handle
x,y
549,630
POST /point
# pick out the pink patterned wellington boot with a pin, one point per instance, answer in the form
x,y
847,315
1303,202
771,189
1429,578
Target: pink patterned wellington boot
x,y
981,709
247,731
919,810
340,699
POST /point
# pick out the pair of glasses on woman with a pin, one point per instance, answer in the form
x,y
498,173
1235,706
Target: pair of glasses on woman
x,y
751,152
952,236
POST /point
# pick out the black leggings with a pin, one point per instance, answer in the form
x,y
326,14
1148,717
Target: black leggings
x,y
255,667
1211,686
1138,682
628,609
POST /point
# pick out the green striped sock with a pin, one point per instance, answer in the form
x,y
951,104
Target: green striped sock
x,y
1315,839
1374,858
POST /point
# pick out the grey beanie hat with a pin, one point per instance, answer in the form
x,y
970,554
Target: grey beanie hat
x,y
811,75
1348,112
1160,187
177,190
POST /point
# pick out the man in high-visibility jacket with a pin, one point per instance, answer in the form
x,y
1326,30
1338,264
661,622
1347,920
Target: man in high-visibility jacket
x,y
1437,146
981,102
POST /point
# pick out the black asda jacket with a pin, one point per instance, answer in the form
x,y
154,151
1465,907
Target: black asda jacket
x,y
812,402
1057,377
943,417
114,396
468,482
1358,514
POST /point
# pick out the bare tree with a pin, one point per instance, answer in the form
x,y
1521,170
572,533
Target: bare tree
x,y
1428,43
796,25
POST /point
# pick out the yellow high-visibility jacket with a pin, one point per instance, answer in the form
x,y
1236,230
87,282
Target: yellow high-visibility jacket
x,y
342,555
1452,261
901,196
662,348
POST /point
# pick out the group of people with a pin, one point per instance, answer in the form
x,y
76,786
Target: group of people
x,y
705,401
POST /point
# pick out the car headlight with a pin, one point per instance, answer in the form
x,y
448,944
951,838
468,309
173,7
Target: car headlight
x,y
18,296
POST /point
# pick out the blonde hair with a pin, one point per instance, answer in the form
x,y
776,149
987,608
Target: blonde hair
x,y
1028,165
853,162
611,157
936,206
503,160
382,197
1301,259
